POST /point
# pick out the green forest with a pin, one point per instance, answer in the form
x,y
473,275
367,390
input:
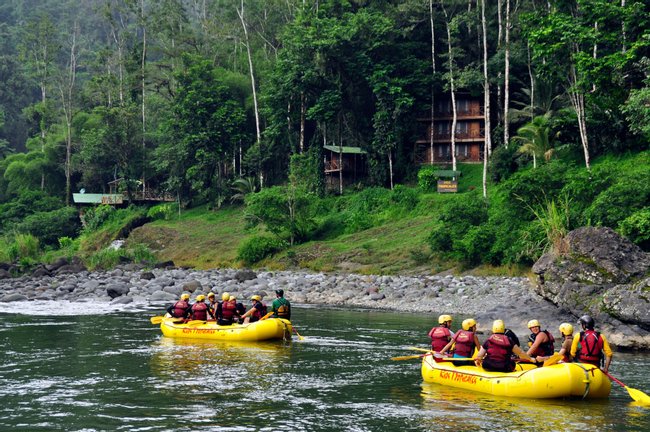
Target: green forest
x,y
229,104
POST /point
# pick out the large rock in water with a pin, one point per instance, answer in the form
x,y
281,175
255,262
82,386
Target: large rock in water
x,y
605,275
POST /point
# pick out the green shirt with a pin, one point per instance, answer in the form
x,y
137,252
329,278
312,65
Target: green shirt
x,y
281,308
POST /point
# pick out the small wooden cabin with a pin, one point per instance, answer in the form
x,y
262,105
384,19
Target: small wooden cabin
x,y
344,163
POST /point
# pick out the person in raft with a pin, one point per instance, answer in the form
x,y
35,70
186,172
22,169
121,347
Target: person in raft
x,y
441,335
496,352
199,309
541,342
464,341
212,305
281,307
226,310
257,310
180,309
590,346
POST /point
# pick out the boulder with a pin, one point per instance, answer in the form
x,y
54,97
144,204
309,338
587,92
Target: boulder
x,y
116,290
13,297
147,276
603,274
191,286
244,275
4,274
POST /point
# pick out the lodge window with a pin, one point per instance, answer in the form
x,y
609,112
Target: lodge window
x,y
462,127
444,151
462,149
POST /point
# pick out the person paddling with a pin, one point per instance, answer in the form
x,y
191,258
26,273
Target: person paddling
x,y
281,307
212,305
180,309
464,341
496,352
257,310
541,342
226,310
441,335
591,346
199,309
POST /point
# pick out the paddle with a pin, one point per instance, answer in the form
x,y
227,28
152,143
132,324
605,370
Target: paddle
x,y
409,357
156,319
419,349
266,316
635,394
296,332
553,359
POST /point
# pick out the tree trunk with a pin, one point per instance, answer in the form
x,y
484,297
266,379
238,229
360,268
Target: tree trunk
x,y
252,75
487,144
506,83
499,42
578,103
66,88
453,94
531,77
390,168
142,67
433,90
303,110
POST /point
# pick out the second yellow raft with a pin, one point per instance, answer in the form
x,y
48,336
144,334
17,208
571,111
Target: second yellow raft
x,y
273,328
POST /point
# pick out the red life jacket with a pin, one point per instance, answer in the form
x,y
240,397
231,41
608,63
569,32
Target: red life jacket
x,y
179,310
258,313
200,311
228,309
591,347
499,349
545,349
440,336
464,343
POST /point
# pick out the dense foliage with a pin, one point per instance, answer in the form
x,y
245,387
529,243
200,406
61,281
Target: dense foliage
x,y
191,98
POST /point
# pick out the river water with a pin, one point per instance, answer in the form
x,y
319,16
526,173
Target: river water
x,y
113,371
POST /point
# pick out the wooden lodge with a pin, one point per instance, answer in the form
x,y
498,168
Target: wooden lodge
x,y
342,163
470,132
116,198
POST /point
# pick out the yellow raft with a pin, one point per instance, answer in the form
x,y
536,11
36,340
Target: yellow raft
x,y
527,381
273,328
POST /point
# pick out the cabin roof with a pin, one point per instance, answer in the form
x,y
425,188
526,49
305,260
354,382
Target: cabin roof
x,y
447,173
91,198
345,149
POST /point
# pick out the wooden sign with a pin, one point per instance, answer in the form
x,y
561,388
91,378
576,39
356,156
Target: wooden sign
x,y
447,186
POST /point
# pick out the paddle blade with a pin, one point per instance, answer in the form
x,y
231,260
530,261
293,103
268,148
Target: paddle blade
x,y
156,319
553,359
419,349
268,315
638,395
409,357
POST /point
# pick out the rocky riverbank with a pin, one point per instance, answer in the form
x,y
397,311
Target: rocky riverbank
x,y
484,298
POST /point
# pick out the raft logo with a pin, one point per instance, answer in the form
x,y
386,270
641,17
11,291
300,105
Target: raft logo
x,y
456,376
198,331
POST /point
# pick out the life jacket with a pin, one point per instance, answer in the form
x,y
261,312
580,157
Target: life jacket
x,y
179,310
499,349
464,343
545,349
258,313
591,347
200,311
284,310
228,309
440,336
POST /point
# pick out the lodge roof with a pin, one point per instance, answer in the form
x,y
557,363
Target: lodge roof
x,y
345,149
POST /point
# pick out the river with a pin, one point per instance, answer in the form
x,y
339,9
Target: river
x,y
113,371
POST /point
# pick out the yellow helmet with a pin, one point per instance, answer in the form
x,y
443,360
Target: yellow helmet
x,y
200,297
232,297
498,326
444,318
468,323
533,323
210,294
225,296
185,296
256,297
566,329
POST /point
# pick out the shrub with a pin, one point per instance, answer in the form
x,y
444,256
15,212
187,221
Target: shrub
x,y
405,197
636,228
257,248
110,257
426,178
25,246
161,211
476,245
619,201
52,225
93,218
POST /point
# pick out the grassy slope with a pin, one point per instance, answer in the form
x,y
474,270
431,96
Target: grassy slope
x,y
207,239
